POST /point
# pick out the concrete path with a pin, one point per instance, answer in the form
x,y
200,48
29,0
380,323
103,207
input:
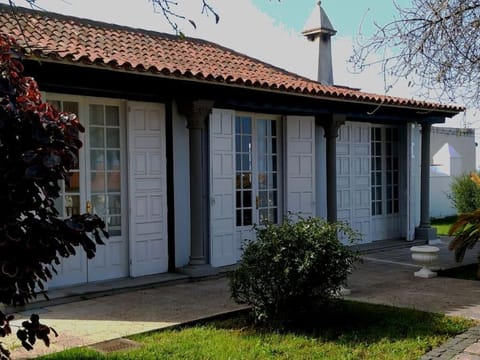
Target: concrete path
x,y
385,277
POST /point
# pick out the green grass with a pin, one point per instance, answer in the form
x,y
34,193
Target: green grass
x,y
350,331
443,225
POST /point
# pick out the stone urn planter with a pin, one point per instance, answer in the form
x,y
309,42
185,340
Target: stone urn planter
x,y
425,256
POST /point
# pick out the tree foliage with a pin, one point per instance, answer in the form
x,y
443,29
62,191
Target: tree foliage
x,y
466,230
434,44
38,148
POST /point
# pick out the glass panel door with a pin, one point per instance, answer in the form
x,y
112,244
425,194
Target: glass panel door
x,y
105,179
104,196
72,270
257,170
385,171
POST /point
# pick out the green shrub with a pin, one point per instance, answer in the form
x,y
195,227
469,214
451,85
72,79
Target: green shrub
x,y
465,194
292,268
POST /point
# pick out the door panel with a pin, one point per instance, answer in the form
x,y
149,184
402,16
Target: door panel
x,y
353,177
104,159
224,250
148,191
300,143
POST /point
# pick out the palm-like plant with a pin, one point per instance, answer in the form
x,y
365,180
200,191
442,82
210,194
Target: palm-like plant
x,y
466,231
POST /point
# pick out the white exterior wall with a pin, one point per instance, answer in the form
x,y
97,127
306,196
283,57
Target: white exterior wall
x,y
181,180
414,148
452,153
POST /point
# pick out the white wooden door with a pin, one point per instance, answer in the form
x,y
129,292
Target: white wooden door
x,y
148,189
353,177
224,249
300,165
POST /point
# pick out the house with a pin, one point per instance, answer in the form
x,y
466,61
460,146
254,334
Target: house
x,y
453,154
188,144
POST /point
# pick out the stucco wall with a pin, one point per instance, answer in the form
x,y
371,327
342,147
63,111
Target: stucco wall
x,y
452,152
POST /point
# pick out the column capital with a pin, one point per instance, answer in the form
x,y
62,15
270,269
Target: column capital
x,y
195,111
330,124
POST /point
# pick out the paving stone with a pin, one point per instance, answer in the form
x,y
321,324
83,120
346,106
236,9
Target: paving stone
x,y
473,349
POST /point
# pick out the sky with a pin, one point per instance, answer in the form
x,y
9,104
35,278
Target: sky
x,y
265,29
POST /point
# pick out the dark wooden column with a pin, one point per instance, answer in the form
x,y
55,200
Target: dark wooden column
x,y
197,113
424,231
331,126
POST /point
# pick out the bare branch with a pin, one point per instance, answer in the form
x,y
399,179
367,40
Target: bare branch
x,y
434,44
168,8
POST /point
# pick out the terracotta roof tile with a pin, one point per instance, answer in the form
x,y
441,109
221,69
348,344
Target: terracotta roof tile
x,y
83,41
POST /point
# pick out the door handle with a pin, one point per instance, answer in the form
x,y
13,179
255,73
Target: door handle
x,y
89,207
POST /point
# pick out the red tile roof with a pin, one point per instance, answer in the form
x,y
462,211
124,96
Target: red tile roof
x,y
63,38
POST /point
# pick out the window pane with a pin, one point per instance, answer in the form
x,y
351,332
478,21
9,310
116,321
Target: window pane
x,y
247,217
247,199
246,162
114,182
262,180
246,125
247,181
112,117
263,199
238,203
113,159
238,143
98,181
56,104
98,204
70,106
114,204
272,198
274,128
96,115
72,205
97,136
246,144
239,217
97,159
113,138
74,182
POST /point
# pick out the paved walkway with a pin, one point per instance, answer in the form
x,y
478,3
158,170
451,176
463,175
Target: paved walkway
x,y
385,277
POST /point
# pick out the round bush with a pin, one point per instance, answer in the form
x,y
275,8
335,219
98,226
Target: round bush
x,y
465,194
292,268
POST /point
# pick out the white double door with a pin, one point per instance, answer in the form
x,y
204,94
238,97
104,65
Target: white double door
x,y
137,244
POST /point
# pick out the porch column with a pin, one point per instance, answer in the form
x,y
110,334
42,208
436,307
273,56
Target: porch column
x,y
425,231
196,113
331,127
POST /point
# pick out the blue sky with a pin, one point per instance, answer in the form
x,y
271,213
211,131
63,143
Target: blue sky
x,y
346,15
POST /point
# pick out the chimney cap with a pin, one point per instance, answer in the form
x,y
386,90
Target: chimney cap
x,y
318,23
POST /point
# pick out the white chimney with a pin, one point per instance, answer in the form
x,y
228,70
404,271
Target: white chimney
x,y
319,28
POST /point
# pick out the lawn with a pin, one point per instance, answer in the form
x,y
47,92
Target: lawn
x,y
350,331
443,225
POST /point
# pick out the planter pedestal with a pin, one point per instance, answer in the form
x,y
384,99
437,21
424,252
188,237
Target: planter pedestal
x,y
425,256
